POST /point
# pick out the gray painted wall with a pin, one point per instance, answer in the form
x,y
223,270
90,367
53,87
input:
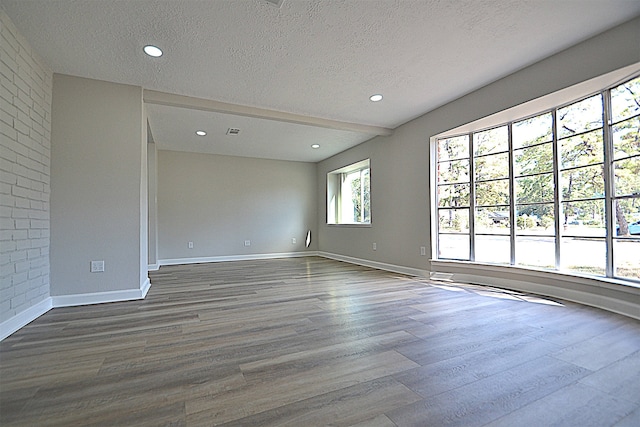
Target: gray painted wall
x,y
218,202
98,186
400,196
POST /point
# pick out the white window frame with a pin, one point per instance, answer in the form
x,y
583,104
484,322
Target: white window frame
x,y
336,191
514,115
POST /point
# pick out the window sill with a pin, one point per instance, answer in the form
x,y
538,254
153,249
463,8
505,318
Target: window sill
x,y
618,296
535,273
350,225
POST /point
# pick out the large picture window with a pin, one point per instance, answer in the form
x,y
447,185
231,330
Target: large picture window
x,y
349,194
559,190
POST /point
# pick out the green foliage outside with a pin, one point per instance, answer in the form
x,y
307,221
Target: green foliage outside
x,y
361,197
484,163
581,165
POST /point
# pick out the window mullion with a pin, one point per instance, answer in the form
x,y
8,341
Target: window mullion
x,y
472,201
557,206
339,198
512,197
361,219
528,192
434,229
608,181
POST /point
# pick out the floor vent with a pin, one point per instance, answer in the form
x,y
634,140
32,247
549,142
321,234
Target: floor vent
x,y
443,277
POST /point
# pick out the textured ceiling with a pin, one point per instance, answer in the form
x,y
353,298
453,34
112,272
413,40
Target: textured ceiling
x,y
270,139
319,59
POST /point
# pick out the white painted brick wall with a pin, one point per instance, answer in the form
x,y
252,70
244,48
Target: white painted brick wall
x,y
25,153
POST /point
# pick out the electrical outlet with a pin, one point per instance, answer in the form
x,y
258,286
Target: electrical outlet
x,y
375,246
247,242
423,251
293,241
97,266
190,245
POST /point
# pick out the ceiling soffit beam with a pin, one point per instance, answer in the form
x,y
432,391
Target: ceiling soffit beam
x,y
181,101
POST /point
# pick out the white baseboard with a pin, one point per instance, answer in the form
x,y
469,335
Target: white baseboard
x,y
144,288
101,297
153,267
593,299
595,292
251,257
13,324
21,319
614,297
375,264
25,317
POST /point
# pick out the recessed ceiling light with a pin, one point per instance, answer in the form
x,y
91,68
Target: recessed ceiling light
x,y
152,51
315,146
200,133
375,98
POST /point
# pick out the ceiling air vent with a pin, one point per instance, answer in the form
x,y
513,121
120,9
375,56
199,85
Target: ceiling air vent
x,y
276,3
233,131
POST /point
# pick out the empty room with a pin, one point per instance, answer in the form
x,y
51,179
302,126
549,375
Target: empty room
x,y
320,212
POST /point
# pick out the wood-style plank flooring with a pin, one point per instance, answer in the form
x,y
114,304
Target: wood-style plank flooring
x,y
316,342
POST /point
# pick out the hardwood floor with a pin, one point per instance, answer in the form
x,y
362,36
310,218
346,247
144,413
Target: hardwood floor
x,y
316,342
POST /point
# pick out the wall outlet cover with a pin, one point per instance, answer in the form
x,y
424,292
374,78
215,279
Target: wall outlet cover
x,y
97,266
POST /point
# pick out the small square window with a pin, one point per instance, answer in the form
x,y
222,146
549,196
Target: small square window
x,y
349,194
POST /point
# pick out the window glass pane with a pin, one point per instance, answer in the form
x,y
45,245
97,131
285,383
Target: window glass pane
x,y
586,256
534,189
453,246
491,141
493,166
532,131
626,179
627,211
355,205
492,220
537,219
534,251
453,148
581,164
626,138
492,193
581,150
348,214
533,160
625,258
454,195
348,194
582,183
584,218
493,249
625,100
365,196
453,220
580,116
454,171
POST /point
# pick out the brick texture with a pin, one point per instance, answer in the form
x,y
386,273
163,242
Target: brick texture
x,y
25,152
